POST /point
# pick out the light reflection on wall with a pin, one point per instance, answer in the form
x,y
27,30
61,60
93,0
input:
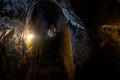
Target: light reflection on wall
x,y
28,38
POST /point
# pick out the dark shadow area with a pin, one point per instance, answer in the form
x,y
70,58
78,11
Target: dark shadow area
x,y
104,63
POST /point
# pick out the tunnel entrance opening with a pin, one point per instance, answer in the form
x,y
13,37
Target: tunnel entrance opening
x,y
43,19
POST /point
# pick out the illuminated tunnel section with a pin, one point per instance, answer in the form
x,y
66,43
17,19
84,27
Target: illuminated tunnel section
x,y
42,49
39,50
53,49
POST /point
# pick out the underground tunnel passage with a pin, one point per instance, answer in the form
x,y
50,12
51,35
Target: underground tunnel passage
x,y
37,47
59,39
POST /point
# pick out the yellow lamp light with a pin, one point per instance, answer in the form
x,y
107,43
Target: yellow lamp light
x,y
29,38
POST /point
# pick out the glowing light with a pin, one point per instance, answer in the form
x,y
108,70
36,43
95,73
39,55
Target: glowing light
x,y
50,33
30,36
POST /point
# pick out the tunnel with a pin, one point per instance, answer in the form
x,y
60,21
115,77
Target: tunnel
x,y
59,39
36,49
